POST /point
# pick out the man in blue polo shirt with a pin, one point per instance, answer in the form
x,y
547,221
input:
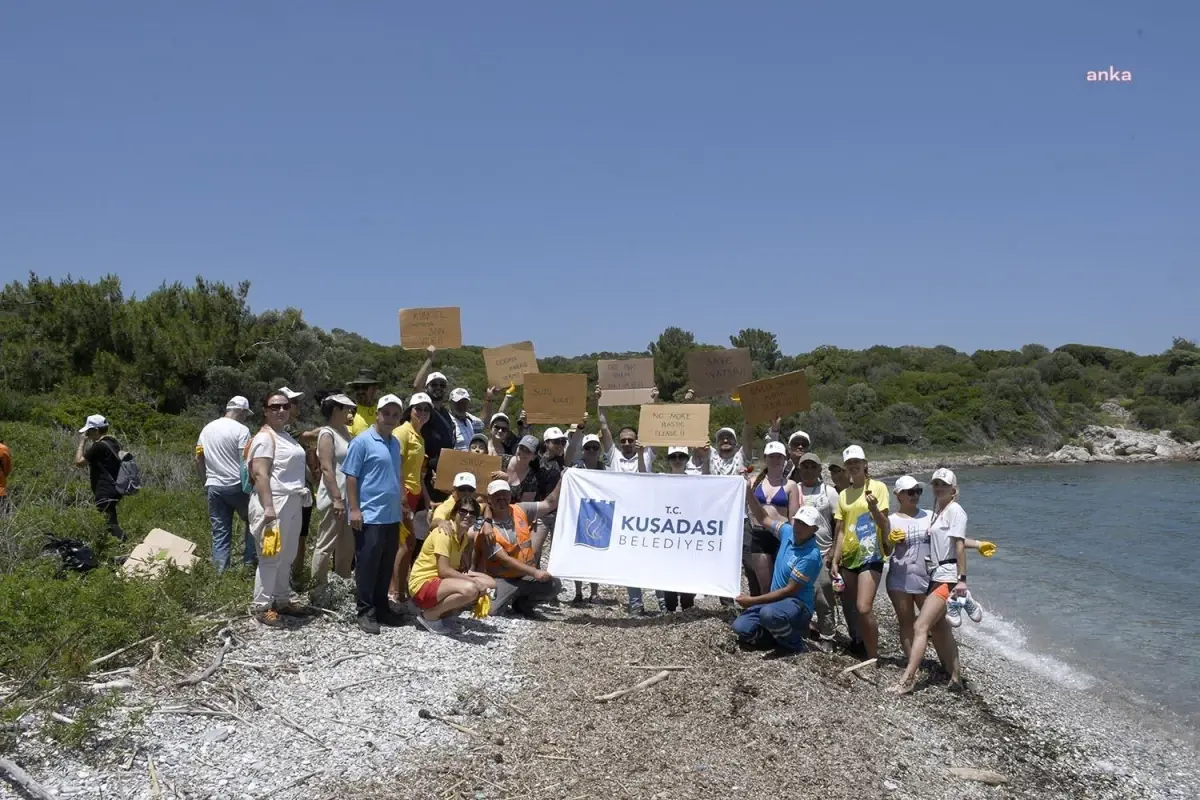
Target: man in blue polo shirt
x,y
781,616
374,493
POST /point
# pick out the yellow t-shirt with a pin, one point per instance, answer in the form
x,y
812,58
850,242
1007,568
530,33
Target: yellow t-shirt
x,y
444,509
438,543
861,542
412,450
364,417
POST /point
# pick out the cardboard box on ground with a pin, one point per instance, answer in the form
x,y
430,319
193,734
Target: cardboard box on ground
x,y
160,547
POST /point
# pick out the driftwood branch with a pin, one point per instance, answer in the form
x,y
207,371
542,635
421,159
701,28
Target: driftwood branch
x,y
23,781
211,669
341,659
669,668
427,714
95,662
653,679
859,666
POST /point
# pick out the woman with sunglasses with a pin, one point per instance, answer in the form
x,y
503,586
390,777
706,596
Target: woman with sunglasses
x,y
442,582
908,578
335,539
590,458
502,442
948,545
780,499
277,472
412,463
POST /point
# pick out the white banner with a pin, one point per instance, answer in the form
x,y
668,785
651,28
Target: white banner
x,y
677,533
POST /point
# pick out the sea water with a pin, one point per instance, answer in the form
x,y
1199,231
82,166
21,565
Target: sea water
x,y
1094,583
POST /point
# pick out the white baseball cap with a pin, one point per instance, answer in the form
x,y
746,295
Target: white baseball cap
x,y
676,450
92,422
237,403
419,398
800,435
853,452
434,376
591,438
459,394
464,479
906,482
809,516
291,395
730,431
499,415
497,486
775,449
550,434
944,475
389,400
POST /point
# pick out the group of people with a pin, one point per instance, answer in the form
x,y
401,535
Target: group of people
x,y
813,544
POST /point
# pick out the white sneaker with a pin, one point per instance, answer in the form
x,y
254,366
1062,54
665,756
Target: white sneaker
x,y
973,609
433,625
954,612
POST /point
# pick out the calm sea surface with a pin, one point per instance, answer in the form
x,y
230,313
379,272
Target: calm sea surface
x,y
1094,584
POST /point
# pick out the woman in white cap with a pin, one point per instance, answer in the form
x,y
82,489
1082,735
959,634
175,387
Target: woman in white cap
x,y
101,454
908,577
412,460
798,444
502,441
550,461
780,499
507,532
948,544
817,495
858,549
679,462
590,458
335,539
466,424
310,478
277,467
442,582
726,458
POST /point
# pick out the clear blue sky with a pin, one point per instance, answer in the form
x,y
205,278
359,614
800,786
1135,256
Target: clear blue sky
x,y
584,174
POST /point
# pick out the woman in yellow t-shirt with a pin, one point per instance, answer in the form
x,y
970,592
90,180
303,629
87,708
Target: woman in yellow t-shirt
x,y
437,583
412,467
861,523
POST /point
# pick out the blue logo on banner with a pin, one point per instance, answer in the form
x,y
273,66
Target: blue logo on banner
x,y
595,523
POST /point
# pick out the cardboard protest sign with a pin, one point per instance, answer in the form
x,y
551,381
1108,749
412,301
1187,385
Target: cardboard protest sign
x,y
159,547
769,398
452,462
716,373
509,364
552,397
421,327
683,424
627,382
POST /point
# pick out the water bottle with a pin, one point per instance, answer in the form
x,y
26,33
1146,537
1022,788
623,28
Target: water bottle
x,y
838,584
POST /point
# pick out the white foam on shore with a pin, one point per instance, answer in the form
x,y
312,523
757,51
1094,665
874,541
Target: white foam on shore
x,y
997,634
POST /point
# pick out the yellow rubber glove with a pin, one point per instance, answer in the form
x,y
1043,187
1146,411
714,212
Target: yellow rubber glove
x,y
271,544
483,606
896,537
511,390
986,549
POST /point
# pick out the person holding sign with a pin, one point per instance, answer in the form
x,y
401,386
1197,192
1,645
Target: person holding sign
x,y
861,520
507,529
780,499
780,616
437,583
727,458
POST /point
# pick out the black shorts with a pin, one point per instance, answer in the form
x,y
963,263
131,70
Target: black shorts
x,y
762,540
876,566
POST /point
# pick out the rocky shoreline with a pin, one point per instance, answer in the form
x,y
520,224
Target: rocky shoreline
x,y
1098,444
320,711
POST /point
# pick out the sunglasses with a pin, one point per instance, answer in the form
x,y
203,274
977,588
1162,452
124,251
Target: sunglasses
x,y
629,441
437,385
278,406
912,492
500,428
677,458
592,448
832,470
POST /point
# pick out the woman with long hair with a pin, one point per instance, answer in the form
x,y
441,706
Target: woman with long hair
x,y
780,499
442,582
908,578
412,455
276,466
948,545
335,539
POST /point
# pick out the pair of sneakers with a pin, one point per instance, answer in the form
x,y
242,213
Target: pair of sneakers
x,y
957,605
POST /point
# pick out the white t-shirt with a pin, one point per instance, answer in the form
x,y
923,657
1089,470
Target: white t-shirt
x,y
619,463
340,446
465,429
946,526
287,469
823,498
223,441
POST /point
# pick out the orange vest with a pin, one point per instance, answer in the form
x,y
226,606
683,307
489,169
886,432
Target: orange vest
x,y
522,550
5,468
